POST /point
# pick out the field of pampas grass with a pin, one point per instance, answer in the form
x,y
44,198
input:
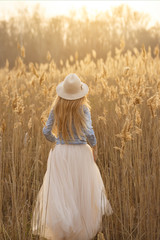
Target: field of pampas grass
x,y
125,99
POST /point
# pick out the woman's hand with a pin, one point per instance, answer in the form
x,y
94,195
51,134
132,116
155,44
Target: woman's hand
x,y
95,153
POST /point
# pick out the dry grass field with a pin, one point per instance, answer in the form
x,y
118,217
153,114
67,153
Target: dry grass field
x,y
125,99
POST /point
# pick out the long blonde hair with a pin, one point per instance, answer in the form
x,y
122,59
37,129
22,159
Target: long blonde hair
x,y
67,112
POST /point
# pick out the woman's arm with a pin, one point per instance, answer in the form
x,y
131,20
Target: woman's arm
x,y
89,131
47,130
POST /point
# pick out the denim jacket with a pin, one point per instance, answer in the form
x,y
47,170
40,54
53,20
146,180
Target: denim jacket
x,y
89,132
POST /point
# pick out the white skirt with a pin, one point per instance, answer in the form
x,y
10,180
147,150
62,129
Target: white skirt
x,y
72,199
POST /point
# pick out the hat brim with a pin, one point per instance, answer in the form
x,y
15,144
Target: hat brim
x,y
60,91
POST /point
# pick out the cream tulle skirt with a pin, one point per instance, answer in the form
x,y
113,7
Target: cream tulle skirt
x,y
72,199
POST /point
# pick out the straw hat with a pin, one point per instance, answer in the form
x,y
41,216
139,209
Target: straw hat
x,y
72,88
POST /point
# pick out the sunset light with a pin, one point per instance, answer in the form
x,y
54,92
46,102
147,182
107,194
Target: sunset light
x,y
93,8
79,120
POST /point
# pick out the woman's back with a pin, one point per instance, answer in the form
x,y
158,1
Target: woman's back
x,y
76,135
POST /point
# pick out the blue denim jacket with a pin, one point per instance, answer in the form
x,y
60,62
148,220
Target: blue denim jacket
x,y
89,132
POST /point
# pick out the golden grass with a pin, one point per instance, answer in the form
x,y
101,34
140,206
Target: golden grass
x,y
125,99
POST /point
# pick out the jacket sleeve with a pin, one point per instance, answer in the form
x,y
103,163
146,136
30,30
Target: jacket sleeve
x,y
89,131
47,129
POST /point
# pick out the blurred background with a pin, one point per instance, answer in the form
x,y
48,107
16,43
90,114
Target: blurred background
x,y
69,28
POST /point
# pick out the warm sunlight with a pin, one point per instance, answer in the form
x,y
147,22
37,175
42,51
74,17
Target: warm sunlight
x,y
53,8
79,120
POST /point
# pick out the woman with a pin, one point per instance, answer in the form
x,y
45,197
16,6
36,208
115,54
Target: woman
x,y
72,198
